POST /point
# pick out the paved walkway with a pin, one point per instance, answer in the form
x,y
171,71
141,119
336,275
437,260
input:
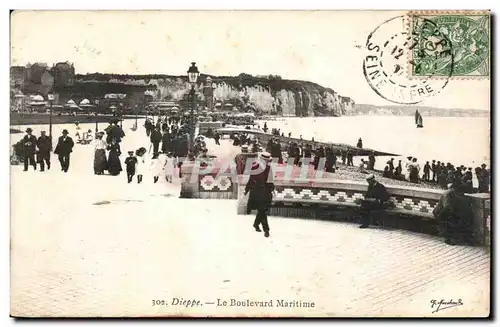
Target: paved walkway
x,y
85,245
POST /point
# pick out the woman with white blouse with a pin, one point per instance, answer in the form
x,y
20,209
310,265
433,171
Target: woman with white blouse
x,y
100,162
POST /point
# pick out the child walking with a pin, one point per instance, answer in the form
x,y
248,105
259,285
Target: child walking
x,y
130,163
141,163
157,164
169,167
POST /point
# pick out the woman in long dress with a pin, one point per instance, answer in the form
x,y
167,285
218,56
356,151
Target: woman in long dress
x,y
100,162
114,164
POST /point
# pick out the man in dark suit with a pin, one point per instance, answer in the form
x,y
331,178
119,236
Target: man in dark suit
x,y
29,149
165,141
63,149
44,146
261,187
155,140
375,199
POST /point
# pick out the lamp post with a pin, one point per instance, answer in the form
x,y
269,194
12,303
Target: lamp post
x,y
193,75
147,97
51,99
96,102
121,115
136,110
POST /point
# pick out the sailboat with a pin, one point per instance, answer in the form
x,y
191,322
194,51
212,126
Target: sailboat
x,y
418,120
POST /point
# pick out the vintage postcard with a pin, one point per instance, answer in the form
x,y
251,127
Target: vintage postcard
x,y
250,163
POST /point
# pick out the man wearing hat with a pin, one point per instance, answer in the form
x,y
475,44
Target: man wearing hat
x,y
376,198
260,185
29,147
44,146
407,167
155,139
63,149
483,178
454,215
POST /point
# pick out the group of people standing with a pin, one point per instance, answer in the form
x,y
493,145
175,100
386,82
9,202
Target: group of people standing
x,y
41,147
111,143
162,162
169,134
438,173
318,156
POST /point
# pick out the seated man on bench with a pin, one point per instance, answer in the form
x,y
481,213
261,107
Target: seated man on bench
x,y
376,198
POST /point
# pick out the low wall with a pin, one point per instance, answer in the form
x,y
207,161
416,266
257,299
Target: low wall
x,y
336,200
339,200
206,186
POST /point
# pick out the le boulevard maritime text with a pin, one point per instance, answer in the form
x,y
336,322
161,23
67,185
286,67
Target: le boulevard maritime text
x,y
278,303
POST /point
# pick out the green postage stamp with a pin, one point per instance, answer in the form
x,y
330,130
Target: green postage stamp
x,y
450,44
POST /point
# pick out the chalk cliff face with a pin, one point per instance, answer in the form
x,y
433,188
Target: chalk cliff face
x,y
267,95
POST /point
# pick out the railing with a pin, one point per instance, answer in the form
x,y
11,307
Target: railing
x,y
309,199
328,198
349,193
206,185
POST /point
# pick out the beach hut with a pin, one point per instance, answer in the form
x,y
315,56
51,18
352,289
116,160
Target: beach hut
x,y
37,98
85,104
37,103
149,93
72,106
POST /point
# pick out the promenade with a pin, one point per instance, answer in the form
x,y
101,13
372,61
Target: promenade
x,y
85,245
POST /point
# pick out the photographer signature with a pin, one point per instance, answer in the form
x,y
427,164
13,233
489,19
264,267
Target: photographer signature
x,y
442,304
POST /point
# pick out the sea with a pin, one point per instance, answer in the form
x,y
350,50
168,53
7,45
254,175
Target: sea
x,y
457,140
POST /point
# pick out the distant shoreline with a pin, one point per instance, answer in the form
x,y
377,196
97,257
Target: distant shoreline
x,y
17,119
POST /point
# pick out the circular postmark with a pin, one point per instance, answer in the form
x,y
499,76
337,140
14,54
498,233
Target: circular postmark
x,y
469,39
388,61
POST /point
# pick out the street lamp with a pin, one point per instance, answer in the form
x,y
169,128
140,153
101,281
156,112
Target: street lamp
x,y
148,95
51,99
193,74
119,113
96,102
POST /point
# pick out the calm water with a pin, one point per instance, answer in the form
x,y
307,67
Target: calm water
x,y
461,141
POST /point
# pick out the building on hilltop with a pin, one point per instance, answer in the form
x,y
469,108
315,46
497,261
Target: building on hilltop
x,y
63,73
35,71
37,79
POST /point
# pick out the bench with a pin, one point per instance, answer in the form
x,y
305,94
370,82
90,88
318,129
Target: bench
x,y
350,212
340,201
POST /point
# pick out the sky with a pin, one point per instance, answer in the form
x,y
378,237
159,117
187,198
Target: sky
x,y
326,47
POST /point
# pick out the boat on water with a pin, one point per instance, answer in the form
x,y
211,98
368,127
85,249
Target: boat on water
x,y
418,120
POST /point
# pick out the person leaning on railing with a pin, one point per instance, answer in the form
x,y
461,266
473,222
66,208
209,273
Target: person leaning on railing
x,y
376,198
454,214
